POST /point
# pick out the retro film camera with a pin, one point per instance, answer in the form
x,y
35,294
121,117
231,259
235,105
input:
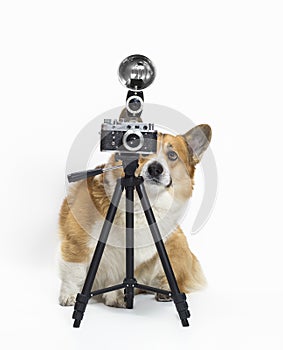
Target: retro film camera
x,y
129,134
129,137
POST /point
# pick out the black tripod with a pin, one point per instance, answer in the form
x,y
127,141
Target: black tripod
x,y
129,182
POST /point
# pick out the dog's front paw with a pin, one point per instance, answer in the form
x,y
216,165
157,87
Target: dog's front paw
x,y
162,297
114,299
67,300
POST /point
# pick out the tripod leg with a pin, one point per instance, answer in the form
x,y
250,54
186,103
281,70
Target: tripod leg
x,y
129,280
178,297
83,297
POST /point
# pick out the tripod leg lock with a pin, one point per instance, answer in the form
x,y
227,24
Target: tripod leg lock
x,y
80,306
182,307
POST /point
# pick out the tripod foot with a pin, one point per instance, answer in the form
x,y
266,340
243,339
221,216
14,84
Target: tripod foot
x,y
129,302
77,324
182,308
79,309
185,322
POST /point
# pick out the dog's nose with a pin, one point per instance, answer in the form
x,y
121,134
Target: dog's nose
x,y
155,169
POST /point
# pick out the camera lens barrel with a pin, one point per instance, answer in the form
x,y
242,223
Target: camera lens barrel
x,y
133,140
134,104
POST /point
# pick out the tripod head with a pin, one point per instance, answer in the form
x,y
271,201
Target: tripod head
x,y
130,163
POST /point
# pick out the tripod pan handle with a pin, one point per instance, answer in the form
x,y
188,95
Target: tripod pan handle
x,y
80,175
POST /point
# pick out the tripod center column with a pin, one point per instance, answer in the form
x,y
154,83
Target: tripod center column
x,y
129,232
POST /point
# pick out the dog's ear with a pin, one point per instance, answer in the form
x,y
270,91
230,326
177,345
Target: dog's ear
x,y
198,139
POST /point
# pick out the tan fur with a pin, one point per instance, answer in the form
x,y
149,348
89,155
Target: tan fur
x,y
91,193
185,265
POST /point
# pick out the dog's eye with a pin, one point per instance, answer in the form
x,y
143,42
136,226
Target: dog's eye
x,y
172,155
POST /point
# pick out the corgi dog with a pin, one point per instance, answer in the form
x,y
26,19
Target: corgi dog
x,y
169,181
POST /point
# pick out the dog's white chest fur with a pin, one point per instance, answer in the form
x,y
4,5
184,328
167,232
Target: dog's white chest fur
x,y
167,214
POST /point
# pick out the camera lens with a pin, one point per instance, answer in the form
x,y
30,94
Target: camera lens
x,y
133,140
134,104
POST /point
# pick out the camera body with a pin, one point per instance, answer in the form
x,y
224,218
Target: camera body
x,y
128,137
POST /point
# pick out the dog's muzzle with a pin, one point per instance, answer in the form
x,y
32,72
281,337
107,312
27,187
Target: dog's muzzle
x,y
157,174
155,169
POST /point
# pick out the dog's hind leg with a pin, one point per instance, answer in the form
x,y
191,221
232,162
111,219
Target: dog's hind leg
x,y
185,265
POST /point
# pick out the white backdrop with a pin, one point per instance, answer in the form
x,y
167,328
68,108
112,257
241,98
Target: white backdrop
x,y
218,62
